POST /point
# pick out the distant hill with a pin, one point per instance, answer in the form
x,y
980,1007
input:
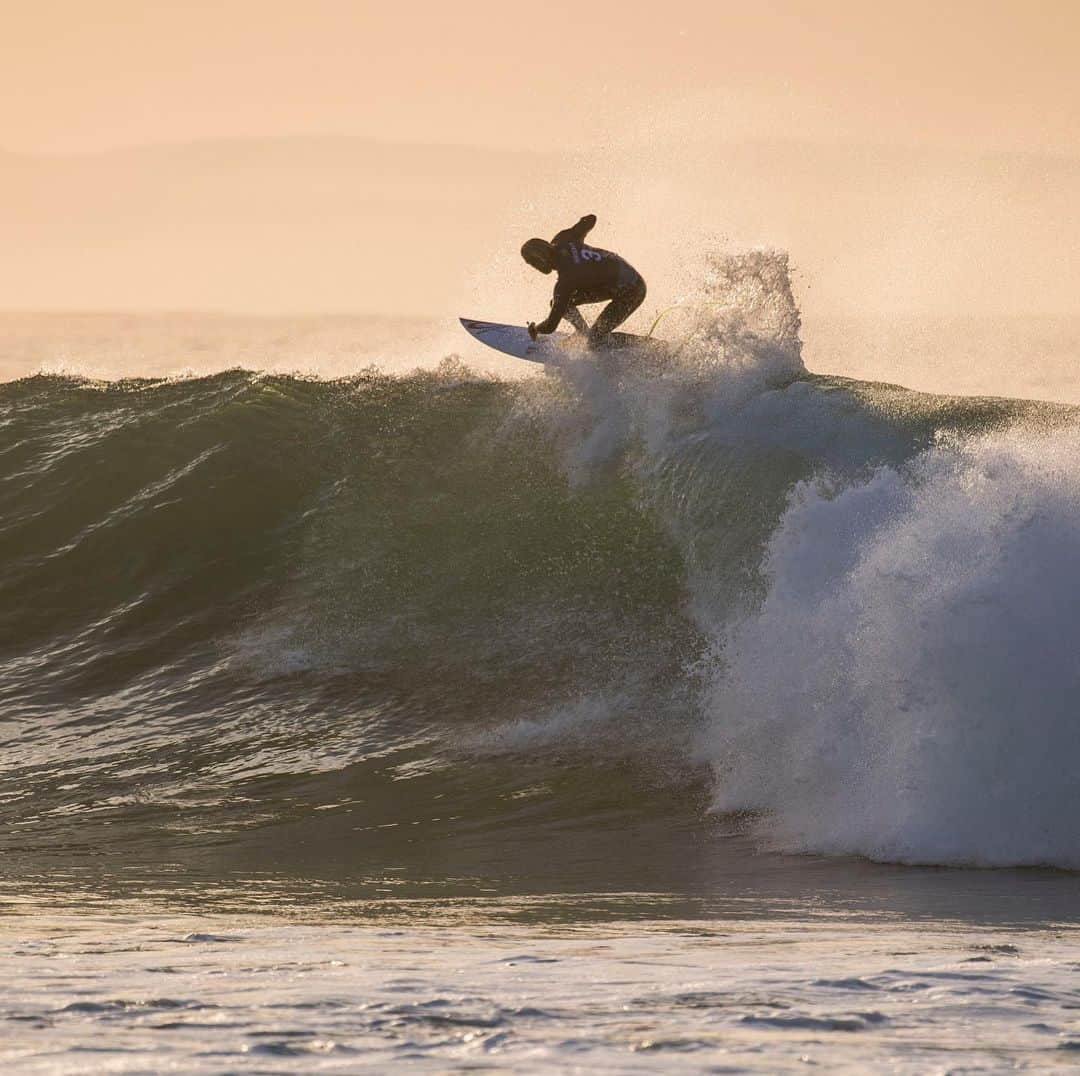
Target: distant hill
x,y
266,225
341,224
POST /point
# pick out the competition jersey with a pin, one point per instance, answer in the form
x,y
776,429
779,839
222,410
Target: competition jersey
x,y
587,274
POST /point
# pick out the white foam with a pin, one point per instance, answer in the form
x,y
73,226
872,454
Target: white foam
x,y
439,988
909,687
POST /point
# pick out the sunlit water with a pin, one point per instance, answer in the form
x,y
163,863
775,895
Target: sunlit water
x,y
626,717
143,992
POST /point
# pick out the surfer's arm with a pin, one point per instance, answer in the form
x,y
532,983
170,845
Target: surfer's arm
x,y
578,232
584,226
560,303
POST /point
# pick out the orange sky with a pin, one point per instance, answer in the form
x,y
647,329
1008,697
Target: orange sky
x,y
911,156
987,74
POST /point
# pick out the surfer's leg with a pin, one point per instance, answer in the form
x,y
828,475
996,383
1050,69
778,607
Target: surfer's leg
x,y
618,310
573,315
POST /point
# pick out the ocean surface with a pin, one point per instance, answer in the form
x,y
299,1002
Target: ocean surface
x,y
709,714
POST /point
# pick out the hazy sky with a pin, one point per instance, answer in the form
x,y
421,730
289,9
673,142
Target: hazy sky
x,y
76,75
911,156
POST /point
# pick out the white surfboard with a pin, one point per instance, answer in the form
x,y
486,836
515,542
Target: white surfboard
x,y
515,340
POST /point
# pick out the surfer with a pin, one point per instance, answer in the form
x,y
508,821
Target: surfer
x,y
586,275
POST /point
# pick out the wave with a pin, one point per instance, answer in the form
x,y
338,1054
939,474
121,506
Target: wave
x,y
468,626
907,689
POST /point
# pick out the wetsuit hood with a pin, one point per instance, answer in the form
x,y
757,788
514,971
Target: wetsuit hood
x,y
540,254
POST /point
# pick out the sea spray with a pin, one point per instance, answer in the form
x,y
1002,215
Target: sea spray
x,y
909,687
885,583
483,630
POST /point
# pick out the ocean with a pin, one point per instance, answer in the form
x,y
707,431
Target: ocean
x,y
368,701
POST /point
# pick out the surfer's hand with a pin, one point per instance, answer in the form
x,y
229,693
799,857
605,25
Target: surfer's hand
x,y
532,330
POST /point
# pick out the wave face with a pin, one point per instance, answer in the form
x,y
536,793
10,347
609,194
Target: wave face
x,y
439,629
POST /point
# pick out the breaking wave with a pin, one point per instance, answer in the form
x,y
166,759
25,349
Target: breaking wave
x,y
443,625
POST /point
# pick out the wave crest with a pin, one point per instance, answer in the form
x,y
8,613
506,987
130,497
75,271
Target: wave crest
x,y
908,688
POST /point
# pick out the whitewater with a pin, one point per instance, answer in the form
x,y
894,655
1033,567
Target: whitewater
x,y
704,714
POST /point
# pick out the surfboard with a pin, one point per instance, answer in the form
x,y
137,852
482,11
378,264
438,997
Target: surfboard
x,y
515,340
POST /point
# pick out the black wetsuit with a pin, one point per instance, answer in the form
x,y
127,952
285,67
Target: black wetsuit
x,y
591,275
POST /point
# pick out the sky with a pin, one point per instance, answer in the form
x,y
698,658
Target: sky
x,y
330,156
76,76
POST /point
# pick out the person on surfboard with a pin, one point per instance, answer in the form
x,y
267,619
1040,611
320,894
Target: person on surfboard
x,y
586,275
